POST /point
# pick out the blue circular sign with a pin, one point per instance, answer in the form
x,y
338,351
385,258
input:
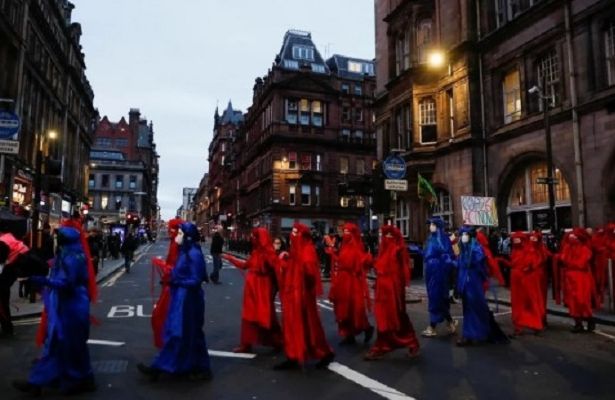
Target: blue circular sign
x,y
394,167
9,124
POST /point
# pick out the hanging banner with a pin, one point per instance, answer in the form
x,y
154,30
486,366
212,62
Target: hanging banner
x,y
479,211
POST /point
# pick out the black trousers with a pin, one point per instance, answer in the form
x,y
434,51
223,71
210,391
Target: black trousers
x,y
7,278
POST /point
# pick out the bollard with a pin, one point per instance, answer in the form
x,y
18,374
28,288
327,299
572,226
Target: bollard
x,y
611,299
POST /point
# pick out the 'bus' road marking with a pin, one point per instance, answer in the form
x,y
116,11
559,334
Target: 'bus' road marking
x,y
106,343
217,353
126,311
368,383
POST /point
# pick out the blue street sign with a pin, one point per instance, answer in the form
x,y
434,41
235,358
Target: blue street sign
x,y
9,124
394,167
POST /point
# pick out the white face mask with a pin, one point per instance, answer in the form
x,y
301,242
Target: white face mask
x,y
465,238
179,239
433,228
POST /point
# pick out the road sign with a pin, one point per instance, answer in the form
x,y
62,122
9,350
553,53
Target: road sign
x,y
394,167
545,181
9,146
9,124
398,185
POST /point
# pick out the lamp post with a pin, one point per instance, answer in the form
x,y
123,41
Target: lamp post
x,y
37,184
550,180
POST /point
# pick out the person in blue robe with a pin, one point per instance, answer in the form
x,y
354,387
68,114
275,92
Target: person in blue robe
x,y
65,361
184,350
478,322
439,261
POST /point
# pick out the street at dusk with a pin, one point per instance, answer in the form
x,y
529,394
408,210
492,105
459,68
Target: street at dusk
x,y
270,199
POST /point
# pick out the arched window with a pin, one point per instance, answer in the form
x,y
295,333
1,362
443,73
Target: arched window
x,y
528,200
423,39
444,206
402,217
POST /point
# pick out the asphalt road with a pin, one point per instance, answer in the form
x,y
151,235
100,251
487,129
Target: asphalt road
x,y
557,365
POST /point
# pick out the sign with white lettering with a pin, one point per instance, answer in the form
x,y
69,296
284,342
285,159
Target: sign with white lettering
x,y
9,146
398,185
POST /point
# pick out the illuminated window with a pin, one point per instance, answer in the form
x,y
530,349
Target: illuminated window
x,y
292,195
292,160
512,99
427,120
343,165
291,111
306,161
305,195
104,202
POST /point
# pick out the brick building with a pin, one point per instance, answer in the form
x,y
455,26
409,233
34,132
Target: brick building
x,y
306,147
123,178
471,125
42,74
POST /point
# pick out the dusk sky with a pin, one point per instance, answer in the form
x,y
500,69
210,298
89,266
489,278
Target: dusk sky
x,y
175,60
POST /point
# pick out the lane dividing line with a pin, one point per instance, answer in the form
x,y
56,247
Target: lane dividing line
x,y
217,353
368,383
604,334
111,281
106,343
24,322
324,306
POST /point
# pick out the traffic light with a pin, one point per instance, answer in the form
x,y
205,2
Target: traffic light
x,y
52,178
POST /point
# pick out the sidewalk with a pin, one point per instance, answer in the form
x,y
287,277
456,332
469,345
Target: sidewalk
x,y
21,308
418,293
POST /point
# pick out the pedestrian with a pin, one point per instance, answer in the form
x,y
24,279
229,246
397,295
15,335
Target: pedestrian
x,y
303,334
439,261
528,262
572,273
165,268
128,250
393,272
478,322
217,242
94,247
330,249
259,323
65,327
184,350
349,292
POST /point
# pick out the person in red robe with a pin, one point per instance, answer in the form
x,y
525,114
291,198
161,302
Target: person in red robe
x,y
303,334
349,292
528,262
493,265
164,268
259,324
572,272
393,270
600,250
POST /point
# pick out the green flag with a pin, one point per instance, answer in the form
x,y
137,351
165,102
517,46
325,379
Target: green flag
x,y
426,191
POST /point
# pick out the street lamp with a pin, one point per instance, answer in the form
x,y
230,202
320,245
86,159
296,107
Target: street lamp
x,y
436,59
37,186
550,181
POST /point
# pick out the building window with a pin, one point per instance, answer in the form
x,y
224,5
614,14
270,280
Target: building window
x,y
291,111
133,182
358,115
344,201
444,206
423,39
346,116
317,113
306,161
118,202
345,135
360,201
292,195
105,181
512,99
507,10
345,88
318,162
355,67
104,202
92,181
450,111
303,53
121,142
119,181
609,41
104,142
305,195
317,196
548,68
402,217
343,165
427,120
292,160
358,136
318,68
402,52
360,166
304,109
358,89
291,64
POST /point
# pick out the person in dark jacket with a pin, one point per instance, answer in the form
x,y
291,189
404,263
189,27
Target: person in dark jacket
x,y
217,241
128,249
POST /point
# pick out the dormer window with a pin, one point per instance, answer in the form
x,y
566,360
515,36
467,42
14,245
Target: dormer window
x,y
303,53
355,67
318,68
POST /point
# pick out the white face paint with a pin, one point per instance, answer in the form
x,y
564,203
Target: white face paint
x,y
433,228
295,232
465,238
533,238
179,239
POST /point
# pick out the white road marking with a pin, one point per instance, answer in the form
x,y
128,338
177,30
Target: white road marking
x,y
604,334
495,314
324,306
106,343
368,383
217,353
24,322
114,278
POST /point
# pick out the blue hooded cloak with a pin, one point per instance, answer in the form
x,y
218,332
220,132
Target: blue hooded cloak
x,y
439,263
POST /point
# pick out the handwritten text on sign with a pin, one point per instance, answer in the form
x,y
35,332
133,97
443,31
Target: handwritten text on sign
x,y
479,211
